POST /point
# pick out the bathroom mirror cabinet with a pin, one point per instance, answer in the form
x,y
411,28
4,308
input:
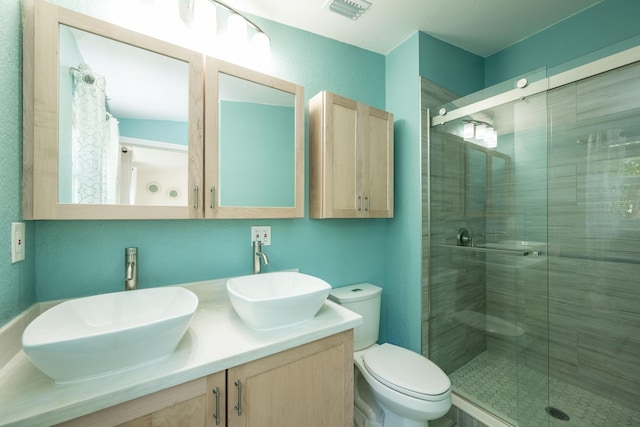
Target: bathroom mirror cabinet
x,y
255,168
115,128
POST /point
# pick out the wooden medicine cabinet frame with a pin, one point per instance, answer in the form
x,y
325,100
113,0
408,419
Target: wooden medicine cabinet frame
x,y
213,207
41,151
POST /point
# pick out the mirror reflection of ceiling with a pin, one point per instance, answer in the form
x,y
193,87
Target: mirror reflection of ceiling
x,y
137,79
235,89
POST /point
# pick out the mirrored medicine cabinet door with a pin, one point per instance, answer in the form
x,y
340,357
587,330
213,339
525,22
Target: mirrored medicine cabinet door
x,y
114,128
254,144
113,121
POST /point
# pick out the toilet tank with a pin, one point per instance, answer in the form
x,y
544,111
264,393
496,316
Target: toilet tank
x,y
364,299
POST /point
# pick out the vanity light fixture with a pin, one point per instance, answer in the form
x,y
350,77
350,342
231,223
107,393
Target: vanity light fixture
x,y
480,133
238,23
238,26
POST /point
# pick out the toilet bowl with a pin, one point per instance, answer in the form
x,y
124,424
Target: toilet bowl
x,y
393,387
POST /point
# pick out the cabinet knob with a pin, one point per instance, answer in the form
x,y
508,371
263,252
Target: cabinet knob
x,y
359,203
195,194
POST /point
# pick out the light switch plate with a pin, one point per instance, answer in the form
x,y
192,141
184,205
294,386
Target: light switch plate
x,y
17,241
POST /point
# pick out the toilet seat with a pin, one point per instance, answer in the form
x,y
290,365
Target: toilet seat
x,y
406,372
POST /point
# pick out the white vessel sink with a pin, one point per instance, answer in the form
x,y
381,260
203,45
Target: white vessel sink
x,y
274,300
102,334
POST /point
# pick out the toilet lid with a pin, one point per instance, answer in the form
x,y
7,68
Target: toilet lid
x,y
406,372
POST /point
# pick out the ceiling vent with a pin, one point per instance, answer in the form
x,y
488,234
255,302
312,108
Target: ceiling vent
x,y
352,9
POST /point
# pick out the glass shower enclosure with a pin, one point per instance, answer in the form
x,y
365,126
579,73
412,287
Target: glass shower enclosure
x,y
531,285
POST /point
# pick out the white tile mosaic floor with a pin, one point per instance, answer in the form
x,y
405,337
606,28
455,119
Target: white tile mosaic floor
x,y
489,380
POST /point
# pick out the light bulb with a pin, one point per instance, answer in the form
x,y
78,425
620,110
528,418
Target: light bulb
x,y
261,45
237,27
468,131
487,134
481,131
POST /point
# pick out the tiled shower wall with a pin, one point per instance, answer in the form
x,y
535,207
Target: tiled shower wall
x,y
594,234
450,280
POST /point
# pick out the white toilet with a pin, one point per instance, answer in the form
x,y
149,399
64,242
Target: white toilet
x,y
394,387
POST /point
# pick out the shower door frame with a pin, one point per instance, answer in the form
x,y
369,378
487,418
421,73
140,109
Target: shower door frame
x,y
591,69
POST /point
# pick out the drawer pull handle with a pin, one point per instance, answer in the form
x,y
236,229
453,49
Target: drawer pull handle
x,y
239,404
216,415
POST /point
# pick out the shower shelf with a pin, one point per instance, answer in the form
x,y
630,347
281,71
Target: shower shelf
x,y
516,252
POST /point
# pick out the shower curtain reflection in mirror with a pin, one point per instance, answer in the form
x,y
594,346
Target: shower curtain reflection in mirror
x,y
94,136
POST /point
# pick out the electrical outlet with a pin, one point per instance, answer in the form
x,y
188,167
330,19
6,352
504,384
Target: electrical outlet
x,y
17,241
261,233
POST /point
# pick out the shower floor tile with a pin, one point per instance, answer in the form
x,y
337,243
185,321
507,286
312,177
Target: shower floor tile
x,y
489,380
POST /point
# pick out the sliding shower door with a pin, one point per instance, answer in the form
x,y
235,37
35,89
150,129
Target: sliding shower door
x,y
488,288
594,241
532,260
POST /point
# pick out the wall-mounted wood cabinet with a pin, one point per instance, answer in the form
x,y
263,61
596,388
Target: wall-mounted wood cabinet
x,y
351,159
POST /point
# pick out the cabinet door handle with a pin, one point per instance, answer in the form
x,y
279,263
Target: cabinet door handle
x,y
195,194
359,203
368,203
216,415
239,404
213,197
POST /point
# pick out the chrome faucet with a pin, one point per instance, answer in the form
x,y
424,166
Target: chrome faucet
x,y
257,256
130,269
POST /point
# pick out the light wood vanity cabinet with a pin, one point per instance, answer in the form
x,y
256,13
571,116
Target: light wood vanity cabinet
x,y
190,404
310,385
351,159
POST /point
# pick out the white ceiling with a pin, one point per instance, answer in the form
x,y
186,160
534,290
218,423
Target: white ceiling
x,y
482,27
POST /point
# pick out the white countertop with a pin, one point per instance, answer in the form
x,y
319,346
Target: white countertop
x,y
216,340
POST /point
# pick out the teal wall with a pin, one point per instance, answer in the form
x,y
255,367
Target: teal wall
x,y
266,176
449,66
608,27
172,132
401,313
17,281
